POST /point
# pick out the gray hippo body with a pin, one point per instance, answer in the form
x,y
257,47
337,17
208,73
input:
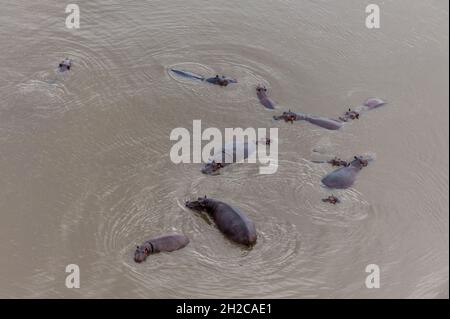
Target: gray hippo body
x,y
344,177
261,93
325,122
165,243
232,152
374,102
230,220
218,80
188,74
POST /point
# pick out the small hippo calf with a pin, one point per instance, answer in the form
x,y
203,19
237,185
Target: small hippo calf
x,y
165,243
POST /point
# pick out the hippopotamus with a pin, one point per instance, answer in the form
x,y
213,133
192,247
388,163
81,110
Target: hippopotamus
x,y
232,152
344,177
369,104
218,80
349,115
328,123
331,199
165,243
230,220
65,65
261,92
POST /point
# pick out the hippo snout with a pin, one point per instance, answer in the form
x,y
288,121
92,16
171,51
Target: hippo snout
x,y
212,168
207,169
188,204
140,254
198,204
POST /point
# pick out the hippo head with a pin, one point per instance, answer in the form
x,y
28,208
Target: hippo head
x,y
212,168
65,65
200,204
287,116
261,89
142,252
359,162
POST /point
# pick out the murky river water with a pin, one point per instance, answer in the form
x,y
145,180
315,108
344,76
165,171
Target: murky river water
x,y
84,156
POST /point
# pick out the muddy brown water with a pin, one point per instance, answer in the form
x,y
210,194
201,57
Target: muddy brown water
x,y
84,157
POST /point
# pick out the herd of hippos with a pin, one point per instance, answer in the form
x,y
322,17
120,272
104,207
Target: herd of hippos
x,y
234,224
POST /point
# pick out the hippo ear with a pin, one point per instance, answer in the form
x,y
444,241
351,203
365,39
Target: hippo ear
x,y
205,196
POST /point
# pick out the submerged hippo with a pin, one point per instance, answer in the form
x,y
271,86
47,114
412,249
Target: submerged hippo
x,y
344,177
261,92
325,122
65,65
230,220
331,199
232,152
337,162
160,244
218,80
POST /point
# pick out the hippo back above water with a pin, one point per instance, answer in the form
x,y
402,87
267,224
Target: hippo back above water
x,y
165,243
344,177
230,220
374,102
325,122
230,153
